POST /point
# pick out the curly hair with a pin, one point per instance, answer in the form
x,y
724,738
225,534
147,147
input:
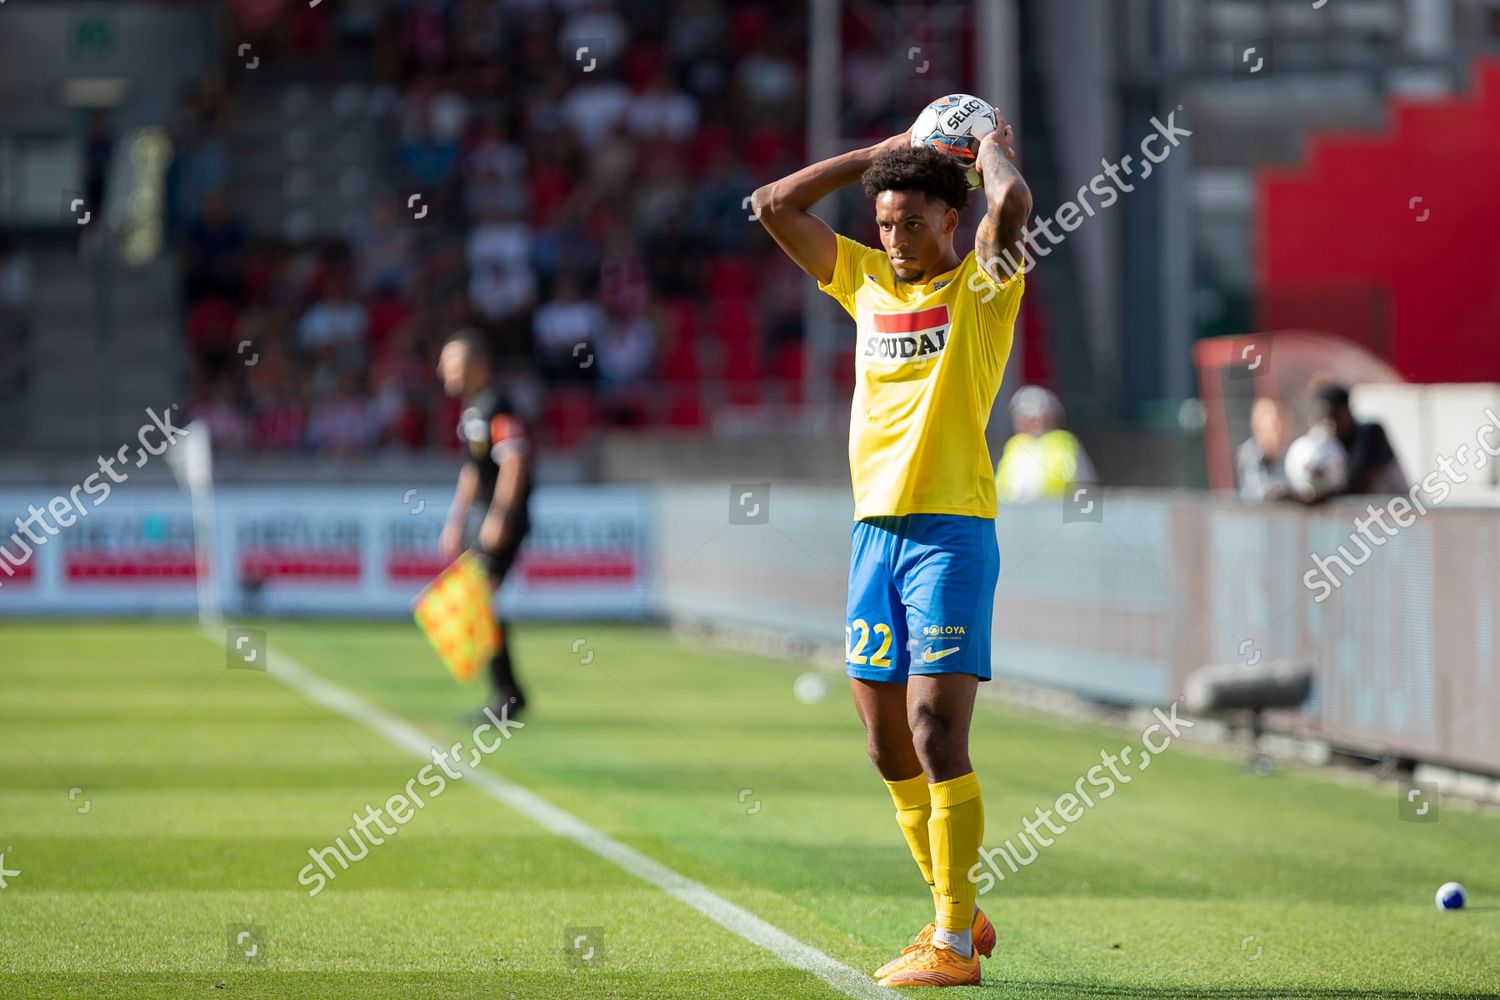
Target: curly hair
x,y
917,168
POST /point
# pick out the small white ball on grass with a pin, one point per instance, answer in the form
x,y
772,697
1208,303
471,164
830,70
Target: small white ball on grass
x,y
1451,896
810,688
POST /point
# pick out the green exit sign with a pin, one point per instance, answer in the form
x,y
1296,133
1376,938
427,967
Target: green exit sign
x,y
92,37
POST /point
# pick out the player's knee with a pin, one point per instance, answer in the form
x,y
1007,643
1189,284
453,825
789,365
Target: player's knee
x,y
892,754
882,751
936,740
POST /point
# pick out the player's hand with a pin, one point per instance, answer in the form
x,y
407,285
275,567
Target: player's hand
x,y
451,541
491,533
1004,138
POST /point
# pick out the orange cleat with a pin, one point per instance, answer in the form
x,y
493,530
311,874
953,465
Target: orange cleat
x,y
930,965
983,934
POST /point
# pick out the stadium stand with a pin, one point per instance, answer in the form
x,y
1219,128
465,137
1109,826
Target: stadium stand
x,y
550,173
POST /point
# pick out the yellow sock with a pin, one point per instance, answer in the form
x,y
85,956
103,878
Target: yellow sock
x,y
914,813
956,831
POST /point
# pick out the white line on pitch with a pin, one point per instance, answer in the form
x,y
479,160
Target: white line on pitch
x,y
700,897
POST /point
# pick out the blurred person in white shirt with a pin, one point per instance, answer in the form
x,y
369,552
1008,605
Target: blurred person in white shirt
x,y
661,111
566,331
1262,457
501,282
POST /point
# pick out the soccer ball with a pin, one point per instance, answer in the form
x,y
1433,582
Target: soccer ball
x,y
1451,896
954,125
810,688
1316,464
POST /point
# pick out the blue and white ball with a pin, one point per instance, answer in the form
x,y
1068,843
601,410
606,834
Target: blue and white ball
x,y
954,125
1451,896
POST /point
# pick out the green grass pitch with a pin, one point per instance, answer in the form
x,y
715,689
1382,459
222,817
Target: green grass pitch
x,y
200,790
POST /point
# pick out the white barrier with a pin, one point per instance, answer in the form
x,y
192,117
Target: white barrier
x,y
359,550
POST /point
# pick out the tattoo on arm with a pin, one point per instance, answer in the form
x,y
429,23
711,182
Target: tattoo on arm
x,y
997,242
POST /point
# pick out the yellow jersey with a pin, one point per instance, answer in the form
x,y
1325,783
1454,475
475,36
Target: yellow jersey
x,y
929,359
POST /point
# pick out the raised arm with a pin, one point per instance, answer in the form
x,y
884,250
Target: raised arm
x,y
784,207
997,241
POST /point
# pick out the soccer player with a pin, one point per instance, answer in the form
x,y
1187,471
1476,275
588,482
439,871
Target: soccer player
x,y
934,332
496,477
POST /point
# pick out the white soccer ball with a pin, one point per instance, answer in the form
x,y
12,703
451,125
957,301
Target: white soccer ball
x,y
1316,464
954,125
1451,896
810,688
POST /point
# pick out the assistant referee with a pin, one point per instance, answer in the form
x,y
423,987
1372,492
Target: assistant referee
x,y
495,480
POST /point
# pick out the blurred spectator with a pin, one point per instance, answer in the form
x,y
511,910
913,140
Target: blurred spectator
x,y
502,285
624,284
424,39
342,422
429,148
719,200
675,257
333,331
200,151
98,155
213,252
1042,459
15,278
624,353
768,78
1373,466
400,374
494,173
211,330
662,195
595,108
661,111
280,420
388,313
228,427
625,348
1262,457
566,330
593,31
384,255
478,31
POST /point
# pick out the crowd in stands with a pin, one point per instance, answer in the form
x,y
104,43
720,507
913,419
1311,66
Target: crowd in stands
x,y
585,166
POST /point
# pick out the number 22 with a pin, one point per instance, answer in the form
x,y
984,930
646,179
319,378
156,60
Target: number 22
x,y
856,652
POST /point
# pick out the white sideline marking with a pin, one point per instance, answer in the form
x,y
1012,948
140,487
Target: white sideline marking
x,y
700,897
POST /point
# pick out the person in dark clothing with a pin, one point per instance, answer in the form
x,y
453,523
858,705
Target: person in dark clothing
x,y
495,480
1373,466
98,155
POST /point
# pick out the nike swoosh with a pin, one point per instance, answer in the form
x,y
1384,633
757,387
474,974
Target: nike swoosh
x,y
928,656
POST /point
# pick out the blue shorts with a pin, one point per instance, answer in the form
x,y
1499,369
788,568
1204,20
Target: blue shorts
x,y
921,596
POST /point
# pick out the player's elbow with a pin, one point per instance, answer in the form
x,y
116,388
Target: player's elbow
x,y
1010,205
767,202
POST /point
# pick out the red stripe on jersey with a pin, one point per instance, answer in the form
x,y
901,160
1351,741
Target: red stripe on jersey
x,y
911,322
